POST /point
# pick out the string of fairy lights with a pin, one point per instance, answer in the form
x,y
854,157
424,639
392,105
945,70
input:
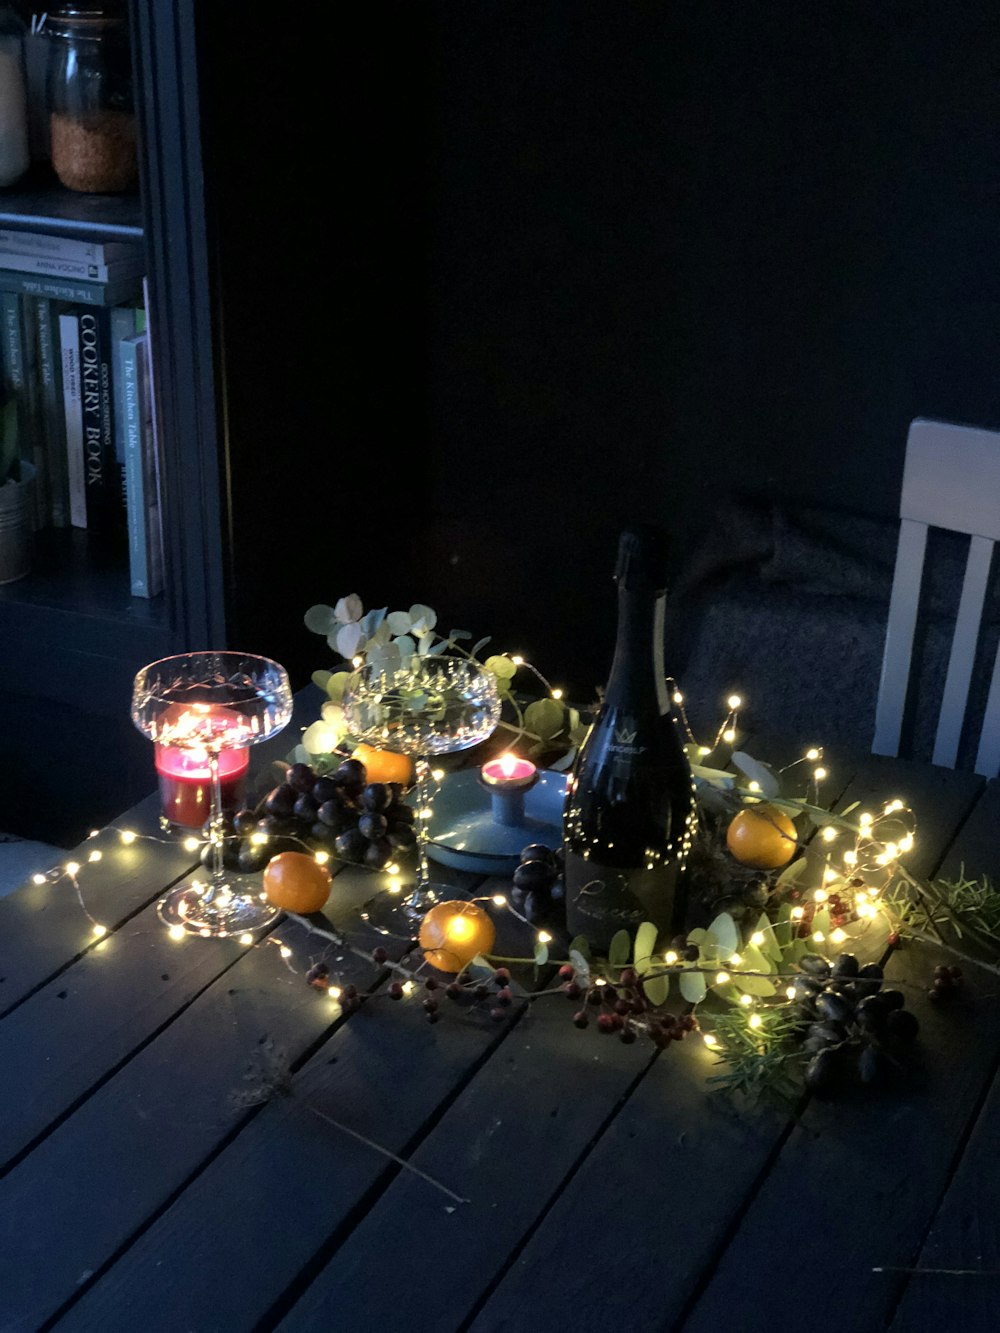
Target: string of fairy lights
x,y
857,862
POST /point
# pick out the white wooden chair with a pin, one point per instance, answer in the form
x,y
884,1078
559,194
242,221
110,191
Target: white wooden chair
x,y
951,479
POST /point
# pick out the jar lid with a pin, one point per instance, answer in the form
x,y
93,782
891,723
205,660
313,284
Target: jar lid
x,y
85,19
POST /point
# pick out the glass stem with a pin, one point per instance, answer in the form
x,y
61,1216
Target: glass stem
x,y
216,824
423,803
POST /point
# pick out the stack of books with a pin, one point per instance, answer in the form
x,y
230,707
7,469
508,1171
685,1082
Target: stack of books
x,y
74,354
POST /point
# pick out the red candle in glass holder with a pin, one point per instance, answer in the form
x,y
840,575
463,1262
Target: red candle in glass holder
x,y
186,783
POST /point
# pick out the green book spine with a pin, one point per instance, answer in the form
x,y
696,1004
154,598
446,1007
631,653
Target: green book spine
x,y
52,420
71,290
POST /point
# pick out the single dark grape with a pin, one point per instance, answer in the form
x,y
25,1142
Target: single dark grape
x,y
373,826
333,815
402,837
352,845
379,853
300,777
534,876
845,966
351,773
275,825
375,796
823,1071
244,821
558,892
871,1013
324,789
252,858
537,851
398,812
892,999
305,808
394,791
870,978
902,1025
872,1065
834,1006
814,965
280,801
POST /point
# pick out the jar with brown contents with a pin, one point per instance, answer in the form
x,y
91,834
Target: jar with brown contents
x,y
92,117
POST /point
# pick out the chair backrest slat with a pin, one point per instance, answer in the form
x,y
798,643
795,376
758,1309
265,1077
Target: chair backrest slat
x,y
963,652
899,636
951,479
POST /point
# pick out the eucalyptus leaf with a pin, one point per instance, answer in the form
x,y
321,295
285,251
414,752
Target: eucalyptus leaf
x,y
479,964
564,763
501,666
320,738
581,945
793,871
770,948
714,777
373,620
399,622
321,678
349,639
545,718
757,772
726,932
657,989
478,648
693,986
320,619
349,609
405,645
337,684
754,985
458,635
698,936
756,959
620,949
645,944
541,954
381,636
333,714
425,643
422,618
821,921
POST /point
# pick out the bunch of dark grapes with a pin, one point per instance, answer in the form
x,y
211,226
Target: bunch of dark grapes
x,y
538,890
342,813
622,1008
852,1026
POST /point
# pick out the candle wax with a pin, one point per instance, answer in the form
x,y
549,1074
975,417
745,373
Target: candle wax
x,y
186,783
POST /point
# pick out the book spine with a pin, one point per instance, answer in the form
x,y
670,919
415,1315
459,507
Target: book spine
x,y
74,292
69,343
46,266
34,425
124,324
65,247
130,353
51,416
152,458
14,372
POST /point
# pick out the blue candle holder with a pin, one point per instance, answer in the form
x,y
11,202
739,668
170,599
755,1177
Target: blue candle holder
x,y
482,827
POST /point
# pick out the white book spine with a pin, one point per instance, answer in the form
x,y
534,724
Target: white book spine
x,y
64,247
86,270
69,344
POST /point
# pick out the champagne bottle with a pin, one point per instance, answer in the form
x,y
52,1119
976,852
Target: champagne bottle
x,y
630,811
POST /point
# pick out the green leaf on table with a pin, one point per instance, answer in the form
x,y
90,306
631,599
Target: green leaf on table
x,y
545,718
502,667
693,987
620,949
754,985
770,947
541,953
320,619
821,921
657,989
726,933
321,678
793,871
337,684
645,943
581,966
755,771
581,945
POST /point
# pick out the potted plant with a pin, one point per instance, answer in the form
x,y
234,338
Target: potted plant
x,y
15,499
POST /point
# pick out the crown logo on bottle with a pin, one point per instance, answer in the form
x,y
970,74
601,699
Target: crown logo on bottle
x,y
625,737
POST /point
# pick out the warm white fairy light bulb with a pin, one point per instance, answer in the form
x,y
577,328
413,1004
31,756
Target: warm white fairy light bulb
x,y
755,1020
334,992
176,932
829,833
392,868
499,900
790,992
99,931
812,754
710,1040
721,978
246,939
39,879
821,895
797,913
321,858
754,785
72,867
517,659
259,838
557,694
95,856
127,836
746,1000
757,938
395,885
734,701
735,960
670,957
191,844
819,774
437,774
818,936
678,697
850,857
838,936
729,735
865,819
409,987
543,937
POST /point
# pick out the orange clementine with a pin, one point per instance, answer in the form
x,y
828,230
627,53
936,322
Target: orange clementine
x,y
452,933
296,882
385,765
762,837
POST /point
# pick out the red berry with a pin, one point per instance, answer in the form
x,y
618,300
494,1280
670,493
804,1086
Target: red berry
x,y
689,1023
396,990
379,955
431,984
502,974
431,1006
350,992
594,996
623,1007
629,977
566,972
498,1015
505,996
627,1036
580,1018
574,990
608,1022
453,990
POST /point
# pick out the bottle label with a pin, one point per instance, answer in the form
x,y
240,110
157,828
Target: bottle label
x,y
601,900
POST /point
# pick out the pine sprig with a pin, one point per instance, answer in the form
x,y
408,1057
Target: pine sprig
x,y
761,1062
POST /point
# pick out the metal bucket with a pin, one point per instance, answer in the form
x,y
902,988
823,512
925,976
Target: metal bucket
x,y
15,526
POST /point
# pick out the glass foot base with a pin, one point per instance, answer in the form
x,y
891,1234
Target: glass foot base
x,y
231,909
400,914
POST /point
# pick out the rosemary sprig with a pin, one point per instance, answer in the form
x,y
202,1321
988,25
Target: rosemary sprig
x,y
759,1062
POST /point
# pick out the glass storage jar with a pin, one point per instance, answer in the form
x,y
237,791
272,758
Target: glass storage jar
x,y
14,156
91,113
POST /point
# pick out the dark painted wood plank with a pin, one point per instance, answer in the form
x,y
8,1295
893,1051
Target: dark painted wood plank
x,y
507,1144
706,1186
82,1193
888,1152
288,1183
42,927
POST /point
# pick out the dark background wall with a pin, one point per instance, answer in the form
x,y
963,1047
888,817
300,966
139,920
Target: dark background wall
x,y
497,278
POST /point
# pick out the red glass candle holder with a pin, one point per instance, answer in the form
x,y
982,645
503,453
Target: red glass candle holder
x,y
186,784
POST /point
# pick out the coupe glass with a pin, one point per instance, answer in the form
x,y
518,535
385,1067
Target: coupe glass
x,y
420,706
205,703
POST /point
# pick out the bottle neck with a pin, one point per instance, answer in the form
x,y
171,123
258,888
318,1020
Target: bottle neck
x,y
637,669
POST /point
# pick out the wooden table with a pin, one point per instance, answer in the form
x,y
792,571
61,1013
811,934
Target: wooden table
x,y
607,1187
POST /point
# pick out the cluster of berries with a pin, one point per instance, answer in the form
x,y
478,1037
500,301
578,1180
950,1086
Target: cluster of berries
x,y
946,983
623,1009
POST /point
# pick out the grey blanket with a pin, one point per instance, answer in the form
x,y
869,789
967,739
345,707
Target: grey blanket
x,y
789,608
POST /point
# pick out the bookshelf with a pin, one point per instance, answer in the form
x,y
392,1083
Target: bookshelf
x,y
71,634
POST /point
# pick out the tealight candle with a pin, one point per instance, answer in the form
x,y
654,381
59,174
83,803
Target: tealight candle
x,y
186,783
509,772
